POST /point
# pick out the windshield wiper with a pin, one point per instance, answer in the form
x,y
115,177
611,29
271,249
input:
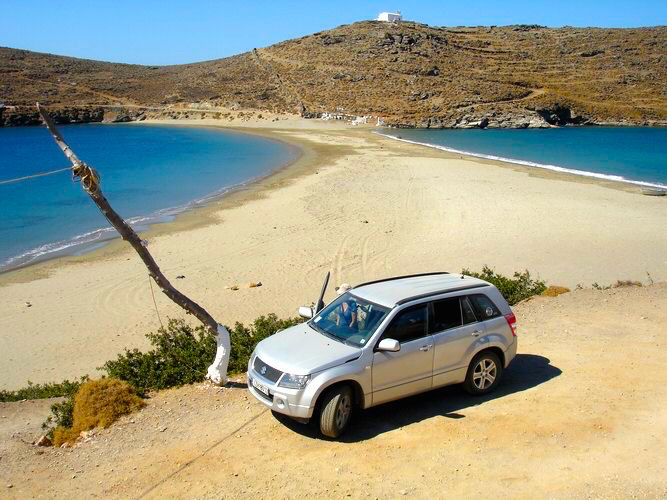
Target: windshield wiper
x,y
325,333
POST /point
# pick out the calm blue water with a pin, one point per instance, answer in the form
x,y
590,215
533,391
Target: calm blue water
x,y
619,153
149,173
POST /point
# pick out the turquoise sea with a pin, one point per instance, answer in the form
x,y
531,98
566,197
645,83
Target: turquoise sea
x,y
631,154
149,174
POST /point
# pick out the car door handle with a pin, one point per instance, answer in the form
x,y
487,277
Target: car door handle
x,y
476,333
426,347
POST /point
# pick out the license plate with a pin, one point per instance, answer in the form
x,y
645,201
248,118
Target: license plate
x,y
260,387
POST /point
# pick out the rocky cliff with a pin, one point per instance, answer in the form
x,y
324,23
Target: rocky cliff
x,y
407,74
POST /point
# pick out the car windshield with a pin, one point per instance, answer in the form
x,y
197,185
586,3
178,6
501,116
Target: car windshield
x,y
349,319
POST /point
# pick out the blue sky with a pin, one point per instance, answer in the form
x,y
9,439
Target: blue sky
x,y
171,32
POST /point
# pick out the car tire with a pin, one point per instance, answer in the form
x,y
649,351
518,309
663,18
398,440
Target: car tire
x,y
484,373
336,411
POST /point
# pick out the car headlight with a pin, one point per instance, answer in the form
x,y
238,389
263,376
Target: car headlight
x,y
294,381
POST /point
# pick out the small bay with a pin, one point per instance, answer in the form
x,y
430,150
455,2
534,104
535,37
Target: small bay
x,y
149,173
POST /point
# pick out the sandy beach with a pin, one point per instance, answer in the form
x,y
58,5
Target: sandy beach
x,y
355,203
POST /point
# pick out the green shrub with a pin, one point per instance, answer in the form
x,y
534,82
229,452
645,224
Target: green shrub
x,y
181,354
41,391
61,412
515,289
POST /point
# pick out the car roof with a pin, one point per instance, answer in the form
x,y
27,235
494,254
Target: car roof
x,y
391,292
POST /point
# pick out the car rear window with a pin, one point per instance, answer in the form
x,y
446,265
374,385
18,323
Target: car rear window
x,y
446,314
468,313
484,308
451,313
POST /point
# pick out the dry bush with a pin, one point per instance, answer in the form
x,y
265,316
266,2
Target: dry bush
x,y
554,291
98,403
624,283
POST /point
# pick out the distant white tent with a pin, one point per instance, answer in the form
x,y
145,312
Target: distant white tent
x,y
390,17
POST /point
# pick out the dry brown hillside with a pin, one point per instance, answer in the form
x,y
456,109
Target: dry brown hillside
x,y
407,73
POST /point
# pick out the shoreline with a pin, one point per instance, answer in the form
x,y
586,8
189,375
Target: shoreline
x,y
199,215
355,203
269,133
193,217
145,222
531,164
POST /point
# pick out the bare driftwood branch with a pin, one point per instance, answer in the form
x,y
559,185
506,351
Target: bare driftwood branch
x,y
90,182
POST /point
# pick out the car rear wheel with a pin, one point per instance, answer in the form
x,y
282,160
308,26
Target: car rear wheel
x,y
336,411
483,373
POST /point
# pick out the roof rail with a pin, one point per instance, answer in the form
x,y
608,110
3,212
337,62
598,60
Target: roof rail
x,y
440,292
399,278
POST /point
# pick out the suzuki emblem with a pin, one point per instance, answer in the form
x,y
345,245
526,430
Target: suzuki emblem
x,y
263,370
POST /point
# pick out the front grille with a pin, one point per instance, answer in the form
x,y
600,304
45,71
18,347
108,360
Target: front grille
x,y
266,371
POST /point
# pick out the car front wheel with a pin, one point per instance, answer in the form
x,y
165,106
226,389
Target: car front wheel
x,y
483,373
336,411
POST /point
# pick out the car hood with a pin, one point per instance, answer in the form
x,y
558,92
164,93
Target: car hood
x,y
300,350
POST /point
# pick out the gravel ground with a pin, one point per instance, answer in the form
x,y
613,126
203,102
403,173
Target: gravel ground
x,y
581,412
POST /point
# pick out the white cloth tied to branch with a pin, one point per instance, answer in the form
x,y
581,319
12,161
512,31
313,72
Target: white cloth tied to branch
x,y
217,372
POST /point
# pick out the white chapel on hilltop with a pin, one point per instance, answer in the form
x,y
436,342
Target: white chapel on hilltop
x,y
390,17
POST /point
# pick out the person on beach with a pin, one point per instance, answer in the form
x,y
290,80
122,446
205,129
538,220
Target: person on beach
x,y
347,314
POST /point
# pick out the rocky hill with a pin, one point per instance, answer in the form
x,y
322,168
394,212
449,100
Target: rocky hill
x,y
407,74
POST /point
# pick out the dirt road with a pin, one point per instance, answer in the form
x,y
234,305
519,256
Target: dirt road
x,y
581,412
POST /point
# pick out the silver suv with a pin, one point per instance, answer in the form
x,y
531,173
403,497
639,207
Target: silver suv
x,y
382,341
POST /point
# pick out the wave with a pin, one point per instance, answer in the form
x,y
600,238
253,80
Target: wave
x,y
91,240
58,247
555,168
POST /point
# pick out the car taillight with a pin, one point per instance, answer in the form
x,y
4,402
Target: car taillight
x,y
511,321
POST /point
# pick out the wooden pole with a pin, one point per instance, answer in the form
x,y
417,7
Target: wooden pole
x,y
91,184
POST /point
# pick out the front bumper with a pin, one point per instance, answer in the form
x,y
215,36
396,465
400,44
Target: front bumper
x,y
290,402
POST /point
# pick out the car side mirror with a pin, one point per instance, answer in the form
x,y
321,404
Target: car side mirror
x,y
390,345
306,312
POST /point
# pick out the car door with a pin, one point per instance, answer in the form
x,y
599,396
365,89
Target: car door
x,y
454,328
409,370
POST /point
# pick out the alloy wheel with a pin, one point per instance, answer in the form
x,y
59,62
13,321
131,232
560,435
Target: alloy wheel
x,y
484,374
343,411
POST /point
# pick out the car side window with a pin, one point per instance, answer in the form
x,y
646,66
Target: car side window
x,y
468,313
484,308
446,314
408,325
